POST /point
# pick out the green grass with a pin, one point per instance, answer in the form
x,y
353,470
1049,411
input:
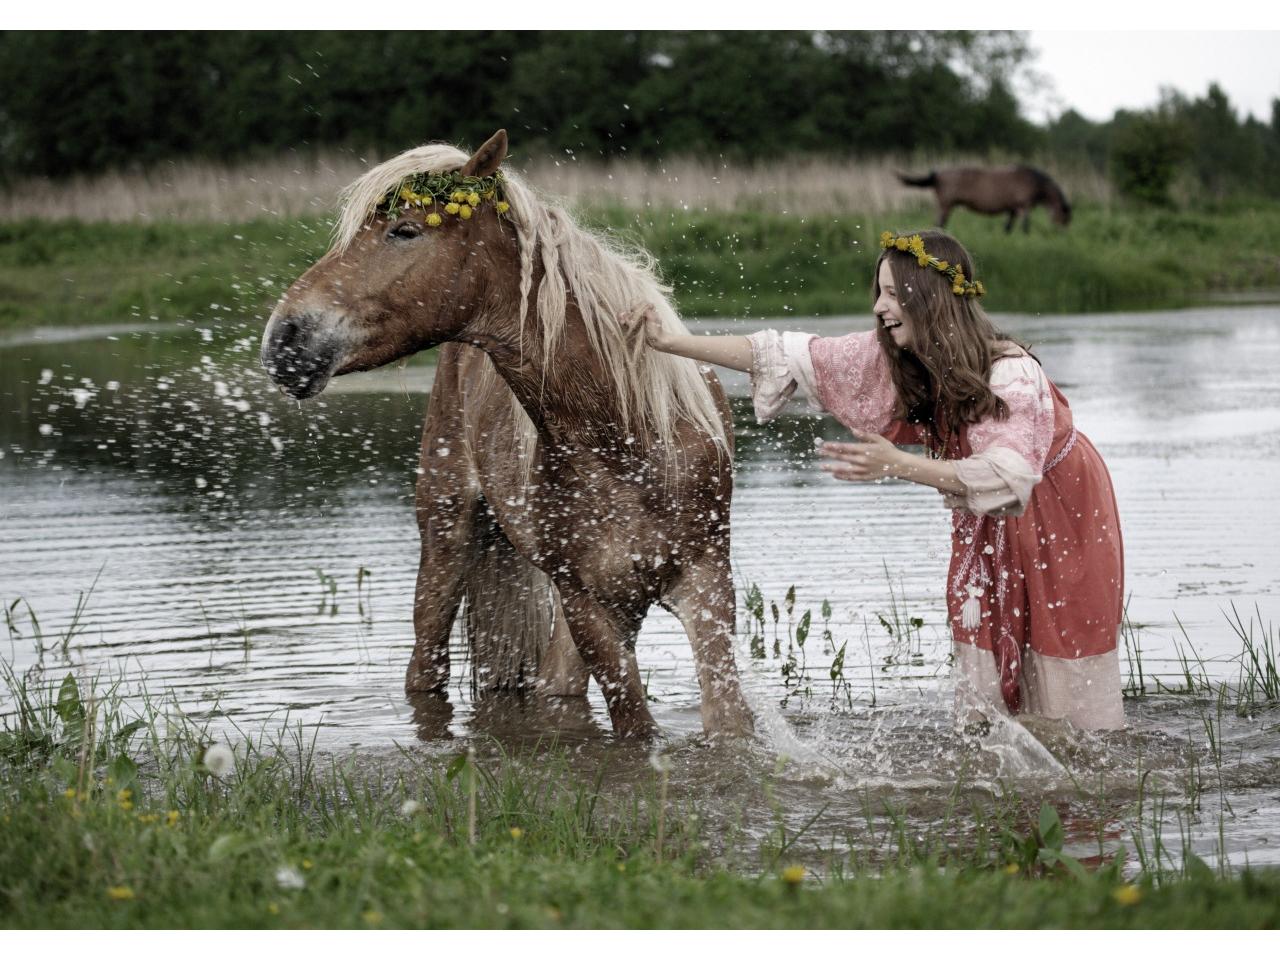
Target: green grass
x,y
732,264
109,822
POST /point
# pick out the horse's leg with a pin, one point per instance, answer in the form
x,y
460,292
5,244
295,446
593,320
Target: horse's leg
x,y
448,497
447,520
1026,220
562,672
602,636
704,602
944,211
1008,223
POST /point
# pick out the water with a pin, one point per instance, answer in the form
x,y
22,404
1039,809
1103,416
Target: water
x,y
253,561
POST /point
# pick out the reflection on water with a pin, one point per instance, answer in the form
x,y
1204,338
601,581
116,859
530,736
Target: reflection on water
x,y
255,559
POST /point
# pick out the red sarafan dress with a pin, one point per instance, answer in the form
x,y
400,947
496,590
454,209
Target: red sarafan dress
x,y
1035,589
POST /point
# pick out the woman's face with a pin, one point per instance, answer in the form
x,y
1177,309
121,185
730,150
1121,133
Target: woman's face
x,y
888,311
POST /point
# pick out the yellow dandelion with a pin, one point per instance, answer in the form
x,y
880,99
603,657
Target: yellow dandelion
x,y
273,908
473,198
451,208
307,864
957,289
120,893
502,206
941,265
171,818
488,194
916,245
793,875
980,288
622,868
434,219
458,196
1127,896
148,817
1011,868
516,833
901,244
371,917
886,238
406,194
69,793
464,212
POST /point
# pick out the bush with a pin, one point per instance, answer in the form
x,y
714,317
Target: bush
x,y
1146,153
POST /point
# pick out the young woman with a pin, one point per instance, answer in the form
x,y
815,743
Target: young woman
x,y
1036,582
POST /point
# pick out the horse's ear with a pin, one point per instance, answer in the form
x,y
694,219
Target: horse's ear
x,y
486,160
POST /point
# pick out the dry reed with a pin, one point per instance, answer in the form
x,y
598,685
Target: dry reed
x,y
308,185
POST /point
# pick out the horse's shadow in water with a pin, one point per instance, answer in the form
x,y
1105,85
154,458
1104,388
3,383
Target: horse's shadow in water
x,y
511,720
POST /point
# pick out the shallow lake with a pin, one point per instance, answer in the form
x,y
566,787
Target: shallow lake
x,y
253,562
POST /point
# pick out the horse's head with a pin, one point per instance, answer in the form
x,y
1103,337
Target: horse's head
x,y
1059,208
393,284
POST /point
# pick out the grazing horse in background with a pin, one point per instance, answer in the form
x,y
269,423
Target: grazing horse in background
x,y
1010,190
569,477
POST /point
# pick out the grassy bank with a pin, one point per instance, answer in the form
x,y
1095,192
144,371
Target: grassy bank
x,y
726,263
110,822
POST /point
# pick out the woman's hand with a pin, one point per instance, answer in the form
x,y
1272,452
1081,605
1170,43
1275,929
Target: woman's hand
x,y
644,319
871,458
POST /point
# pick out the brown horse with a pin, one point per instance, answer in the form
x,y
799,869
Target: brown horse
x,y
1010,190
569,477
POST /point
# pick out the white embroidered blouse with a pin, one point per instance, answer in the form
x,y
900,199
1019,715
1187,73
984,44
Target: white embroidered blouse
x,y
1008,457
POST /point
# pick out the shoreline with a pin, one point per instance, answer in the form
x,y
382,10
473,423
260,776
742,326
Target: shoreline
x,y
747,264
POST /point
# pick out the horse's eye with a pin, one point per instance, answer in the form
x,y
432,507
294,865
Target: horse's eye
x,y
405,230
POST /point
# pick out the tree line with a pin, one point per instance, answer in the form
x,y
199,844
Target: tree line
x,y
85,102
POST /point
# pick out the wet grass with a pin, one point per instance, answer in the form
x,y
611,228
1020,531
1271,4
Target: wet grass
x,y
121,814
1257,683
144,822
729,263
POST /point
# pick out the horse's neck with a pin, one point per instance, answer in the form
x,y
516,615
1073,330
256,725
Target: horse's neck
x,y
568,396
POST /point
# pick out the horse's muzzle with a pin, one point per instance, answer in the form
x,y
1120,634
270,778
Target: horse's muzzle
x,y
297,359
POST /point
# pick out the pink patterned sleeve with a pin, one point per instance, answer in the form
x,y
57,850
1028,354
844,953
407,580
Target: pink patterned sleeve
x,y
1008,456
852,380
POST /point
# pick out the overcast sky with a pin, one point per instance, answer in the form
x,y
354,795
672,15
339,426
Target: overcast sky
x,y
1097,72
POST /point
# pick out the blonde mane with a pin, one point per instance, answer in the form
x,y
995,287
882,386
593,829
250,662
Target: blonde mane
x,y
654,390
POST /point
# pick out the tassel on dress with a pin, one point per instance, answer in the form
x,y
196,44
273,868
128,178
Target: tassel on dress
x,y
971,612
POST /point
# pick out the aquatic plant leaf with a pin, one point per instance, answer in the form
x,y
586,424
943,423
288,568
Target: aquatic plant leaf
x,y
802,629
70,709
121,738
123,772
1050,828
456,766
837,665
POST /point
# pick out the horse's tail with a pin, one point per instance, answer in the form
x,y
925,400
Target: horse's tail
x,y
508,613
928,180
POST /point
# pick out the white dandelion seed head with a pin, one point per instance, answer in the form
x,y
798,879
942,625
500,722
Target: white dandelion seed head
x,y
409,808
219,760
288,878
659,762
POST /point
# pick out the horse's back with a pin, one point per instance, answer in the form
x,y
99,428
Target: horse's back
x,y
988,189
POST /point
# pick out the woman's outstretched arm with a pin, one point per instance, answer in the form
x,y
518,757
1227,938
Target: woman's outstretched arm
x,y
732,352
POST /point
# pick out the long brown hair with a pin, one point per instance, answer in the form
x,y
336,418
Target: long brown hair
x,y
943,379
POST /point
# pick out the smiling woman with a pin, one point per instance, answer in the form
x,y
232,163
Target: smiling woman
x,y
1036,579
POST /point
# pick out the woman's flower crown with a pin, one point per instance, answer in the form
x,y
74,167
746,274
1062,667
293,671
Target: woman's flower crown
x,y
460,195
914,245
